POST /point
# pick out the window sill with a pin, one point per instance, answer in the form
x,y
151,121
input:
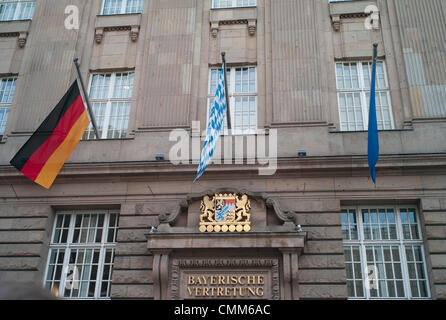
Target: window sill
x,y
117,139
118,22
226,8
16,28
227,16
365,131
18,20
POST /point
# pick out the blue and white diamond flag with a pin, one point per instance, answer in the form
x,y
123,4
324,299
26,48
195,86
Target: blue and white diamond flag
x,y
216,120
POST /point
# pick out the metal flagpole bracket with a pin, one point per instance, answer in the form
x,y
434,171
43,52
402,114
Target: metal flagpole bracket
x,y
375,51
86,99
228,110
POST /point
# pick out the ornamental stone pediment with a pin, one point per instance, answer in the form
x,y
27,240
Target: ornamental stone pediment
x,y
229,228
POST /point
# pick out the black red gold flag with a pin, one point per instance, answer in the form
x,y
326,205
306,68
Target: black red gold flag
x,y
44,154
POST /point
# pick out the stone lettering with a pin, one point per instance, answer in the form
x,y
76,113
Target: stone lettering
x,y
226,286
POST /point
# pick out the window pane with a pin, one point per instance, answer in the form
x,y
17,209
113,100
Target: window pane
x,y
416,270
16,10
352,91
410,224
353,271
134,6
112,6
243,98
111,100
233,3
7,90
393,264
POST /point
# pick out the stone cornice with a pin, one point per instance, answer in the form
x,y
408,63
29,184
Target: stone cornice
x,y
353,165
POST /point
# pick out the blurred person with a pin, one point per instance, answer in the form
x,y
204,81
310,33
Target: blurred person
x,y
24,291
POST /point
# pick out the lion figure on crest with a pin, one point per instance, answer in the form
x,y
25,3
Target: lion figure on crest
x,y
242,208
208,208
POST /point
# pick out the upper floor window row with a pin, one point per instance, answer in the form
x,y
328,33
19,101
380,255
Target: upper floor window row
x,y
16,10
217,4
110,7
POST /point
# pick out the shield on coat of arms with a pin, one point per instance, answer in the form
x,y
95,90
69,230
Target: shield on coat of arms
x,y
225,209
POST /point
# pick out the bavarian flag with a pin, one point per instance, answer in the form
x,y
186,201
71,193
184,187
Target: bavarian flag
x,y
45,153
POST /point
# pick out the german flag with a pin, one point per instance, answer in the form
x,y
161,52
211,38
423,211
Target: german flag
x,y
45,153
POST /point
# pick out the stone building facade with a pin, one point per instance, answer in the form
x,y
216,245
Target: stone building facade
x,y
122,223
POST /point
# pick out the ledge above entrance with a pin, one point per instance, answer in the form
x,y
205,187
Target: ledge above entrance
x,y
254,240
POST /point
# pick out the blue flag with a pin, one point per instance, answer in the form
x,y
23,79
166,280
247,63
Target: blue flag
x,y
216,117
373,143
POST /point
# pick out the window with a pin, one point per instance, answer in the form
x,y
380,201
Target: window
x,y
16,10
353,82
121,6
242,87
7,89
388,242
110,96
81,254
216,4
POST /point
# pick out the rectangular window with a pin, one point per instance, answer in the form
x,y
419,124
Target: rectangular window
x,y
121,6
16,10
110,96
216,4
353,83
384,244
7,89
81,254
242,87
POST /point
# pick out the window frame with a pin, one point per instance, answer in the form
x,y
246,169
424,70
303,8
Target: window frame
x,y
7,106
123,8
69,245
363,91
362,243
232,97
109,100
18,12
234,5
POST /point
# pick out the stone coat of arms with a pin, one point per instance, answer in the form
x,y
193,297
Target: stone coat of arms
x,y
225,212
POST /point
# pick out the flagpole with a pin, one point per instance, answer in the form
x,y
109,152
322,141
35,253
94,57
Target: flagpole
x,y
85,95
228,110
375,52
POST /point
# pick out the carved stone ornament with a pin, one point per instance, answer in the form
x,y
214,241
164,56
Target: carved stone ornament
x,y
225,212
214,29
336,22
99,35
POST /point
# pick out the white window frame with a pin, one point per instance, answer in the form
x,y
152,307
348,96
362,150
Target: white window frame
x,y
362,90
232,97
123,8
216,5
21,4
7,106
68,246
109,100
400,242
